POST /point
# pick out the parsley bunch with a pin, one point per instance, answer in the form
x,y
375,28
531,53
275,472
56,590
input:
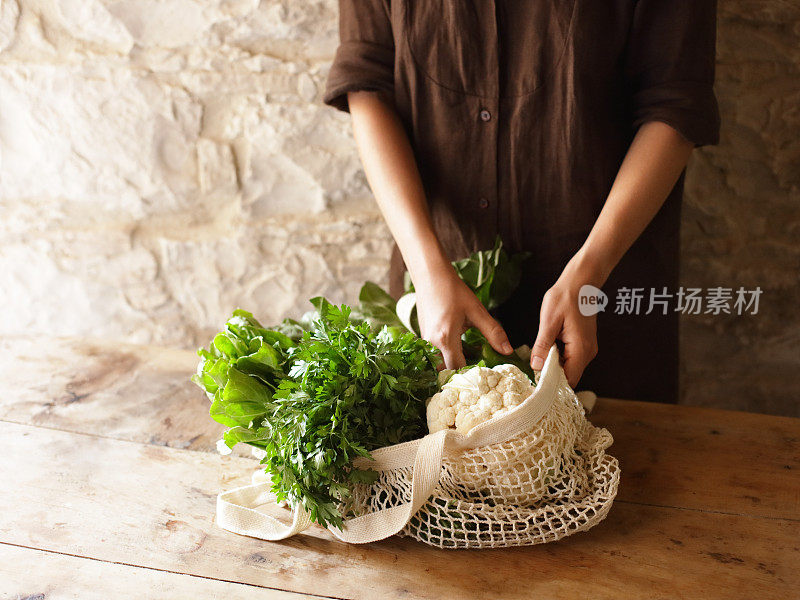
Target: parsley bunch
x,y
315,401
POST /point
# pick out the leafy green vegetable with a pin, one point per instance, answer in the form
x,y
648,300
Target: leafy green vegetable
x,y
492,275
378,307
478,350
313,403
241,369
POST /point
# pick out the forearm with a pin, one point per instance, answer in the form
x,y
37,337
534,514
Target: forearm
x,y
649,171
392,173
652,165
445,305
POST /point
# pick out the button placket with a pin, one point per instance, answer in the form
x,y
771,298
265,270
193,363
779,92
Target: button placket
x,y
486,110
487,199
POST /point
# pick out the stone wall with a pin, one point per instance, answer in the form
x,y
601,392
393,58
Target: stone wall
x,y
741,219
164,161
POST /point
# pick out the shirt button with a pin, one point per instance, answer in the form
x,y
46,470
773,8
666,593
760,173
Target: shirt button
x,y
485,115
483,203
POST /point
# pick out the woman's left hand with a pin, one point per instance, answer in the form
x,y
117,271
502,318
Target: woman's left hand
x,y
560,318
652,165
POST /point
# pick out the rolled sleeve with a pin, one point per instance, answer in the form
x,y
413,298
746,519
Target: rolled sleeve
x,y
364,59
670,62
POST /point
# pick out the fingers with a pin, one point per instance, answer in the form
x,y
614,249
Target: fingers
x,y
579,351
491,329
549,328
557,319
448,340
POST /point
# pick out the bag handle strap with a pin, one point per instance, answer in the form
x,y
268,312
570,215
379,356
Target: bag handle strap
x,y
387,522
236,508
236,512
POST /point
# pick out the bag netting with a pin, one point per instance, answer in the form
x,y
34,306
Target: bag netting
x,y
538,486
534,475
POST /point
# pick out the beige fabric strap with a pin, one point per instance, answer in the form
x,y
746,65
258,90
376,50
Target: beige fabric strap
x,y
236,512
236,509
387,522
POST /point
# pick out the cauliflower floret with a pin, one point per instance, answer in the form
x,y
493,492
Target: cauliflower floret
x,y
477,395
441,410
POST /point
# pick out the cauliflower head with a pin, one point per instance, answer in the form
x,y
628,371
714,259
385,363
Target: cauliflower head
x,y
477,395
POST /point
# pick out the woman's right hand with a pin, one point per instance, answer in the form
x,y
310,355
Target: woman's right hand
x,y
446,307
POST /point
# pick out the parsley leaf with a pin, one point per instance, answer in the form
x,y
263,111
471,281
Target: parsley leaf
x,y
315,401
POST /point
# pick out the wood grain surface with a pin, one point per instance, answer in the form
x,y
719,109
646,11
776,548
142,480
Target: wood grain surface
x,y
124,391
706,459
28,574
110,478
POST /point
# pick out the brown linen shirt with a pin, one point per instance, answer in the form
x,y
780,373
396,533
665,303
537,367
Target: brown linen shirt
x,y
520,113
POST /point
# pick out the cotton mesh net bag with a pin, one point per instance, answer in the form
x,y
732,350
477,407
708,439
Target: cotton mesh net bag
x,y
533,475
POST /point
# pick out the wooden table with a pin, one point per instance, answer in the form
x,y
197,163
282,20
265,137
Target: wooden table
x,y
109,478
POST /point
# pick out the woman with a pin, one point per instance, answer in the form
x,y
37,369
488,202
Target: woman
x,y
562,125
